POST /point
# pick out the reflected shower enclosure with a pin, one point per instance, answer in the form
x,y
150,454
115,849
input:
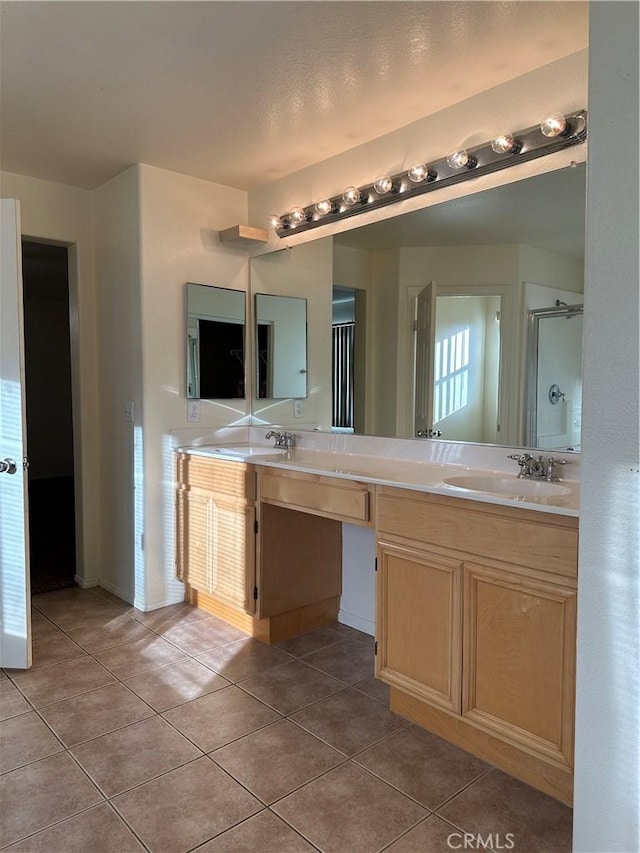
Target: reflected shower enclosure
x,y
554,381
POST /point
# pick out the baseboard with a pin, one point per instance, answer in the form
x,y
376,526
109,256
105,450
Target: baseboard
x,y
116,590
86,583
367,626
145,608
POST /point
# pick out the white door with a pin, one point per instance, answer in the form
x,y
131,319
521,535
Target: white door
x,y
15,609
425,341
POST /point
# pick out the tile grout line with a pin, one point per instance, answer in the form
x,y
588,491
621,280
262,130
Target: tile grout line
x,y
478,778
406,832
370,745
435,809
188,655
403,833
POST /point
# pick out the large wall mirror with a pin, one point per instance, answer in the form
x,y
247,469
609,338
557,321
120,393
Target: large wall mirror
x,y
429,317
215,342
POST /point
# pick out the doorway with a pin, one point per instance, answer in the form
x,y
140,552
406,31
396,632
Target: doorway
x,y
466,371
348,360
47,349
457,354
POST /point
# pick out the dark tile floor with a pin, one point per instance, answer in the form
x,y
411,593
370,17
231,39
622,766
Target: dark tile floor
x,y
171,731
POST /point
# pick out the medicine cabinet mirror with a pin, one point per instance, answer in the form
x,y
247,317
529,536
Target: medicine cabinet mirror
x,y
215,342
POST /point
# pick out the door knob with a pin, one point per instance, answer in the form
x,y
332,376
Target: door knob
x,y
8,466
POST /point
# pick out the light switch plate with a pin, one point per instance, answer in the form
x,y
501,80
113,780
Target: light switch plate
x,y
193,411
128,411
298,409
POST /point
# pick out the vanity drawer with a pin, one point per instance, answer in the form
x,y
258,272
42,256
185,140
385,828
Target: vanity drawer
x,y
344,500
535,540
217,475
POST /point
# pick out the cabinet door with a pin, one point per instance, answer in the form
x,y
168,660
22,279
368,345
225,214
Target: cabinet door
x,y
519,659
419,624
216,546
193,558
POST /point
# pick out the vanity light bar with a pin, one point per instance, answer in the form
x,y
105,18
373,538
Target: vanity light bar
x,y
554,134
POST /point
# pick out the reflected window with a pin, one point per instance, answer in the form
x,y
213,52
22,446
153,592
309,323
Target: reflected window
x,y
451,375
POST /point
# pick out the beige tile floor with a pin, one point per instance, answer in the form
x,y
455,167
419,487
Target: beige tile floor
x,y
171,731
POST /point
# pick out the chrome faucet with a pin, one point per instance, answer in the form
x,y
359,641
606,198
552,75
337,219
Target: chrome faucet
x,y
552,472
283,439
538,469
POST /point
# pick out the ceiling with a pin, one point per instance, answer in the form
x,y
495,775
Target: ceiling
x,y
547,212
242,93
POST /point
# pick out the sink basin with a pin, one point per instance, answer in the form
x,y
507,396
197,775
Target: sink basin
x,y
511,487
243,452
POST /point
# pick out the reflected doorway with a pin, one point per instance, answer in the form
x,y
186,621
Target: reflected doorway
x,y
348,359
458,358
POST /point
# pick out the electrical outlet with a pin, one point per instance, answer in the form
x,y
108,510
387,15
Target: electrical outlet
x,y
298,408
193,411
128,411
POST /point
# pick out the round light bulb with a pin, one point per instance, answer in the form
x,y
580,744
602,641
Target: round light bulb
x,y
351,196
323,207
275,221
460,158
418,173
297,215
554,125
383,185
503,144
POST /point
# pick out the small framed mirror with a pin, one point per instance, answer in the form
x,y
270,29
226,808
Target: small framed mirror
x,y
281,347
215,342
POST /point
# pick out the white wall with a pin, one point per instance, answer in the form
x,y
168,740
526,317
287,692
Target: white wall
x,y
306,273
551,269
560,86
381,411
216,302
357,603
607,789
179,220
492,306
117,248
52,212
351,267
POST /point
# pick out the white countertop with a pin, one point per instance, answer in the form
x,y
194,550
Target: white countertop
x,y
459,481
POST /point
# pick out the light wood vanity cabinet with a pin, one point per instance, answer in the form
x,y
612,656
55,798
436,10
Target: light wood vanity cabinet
x,y
330,497
215,523
475,621
262,548
419,623
476,628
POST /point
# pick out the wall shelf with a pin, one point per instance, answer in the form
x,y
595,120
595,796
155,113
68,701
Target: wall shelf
x,y
243,235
